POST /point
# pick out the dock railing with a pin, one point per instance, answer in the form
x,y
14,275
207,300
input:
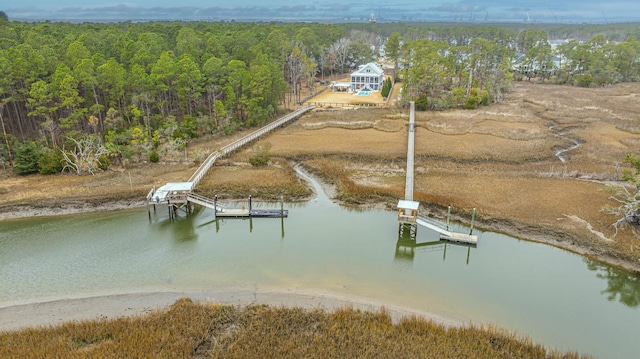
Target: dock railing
x,y
344,104
206,164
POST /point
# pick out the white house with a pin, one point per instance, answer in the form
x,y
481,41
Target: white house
x,y
369,77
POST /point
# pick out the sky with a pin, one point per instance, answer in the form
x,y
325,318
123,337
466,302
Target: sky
x,y
535,11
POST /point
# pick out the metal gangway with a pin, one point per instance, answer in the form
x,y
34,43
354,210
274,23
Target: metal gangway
x,y
205,202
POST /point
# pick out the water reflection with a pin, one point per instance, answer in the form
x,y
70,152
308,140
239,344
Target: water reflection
x,y
184,229
621,286
406,247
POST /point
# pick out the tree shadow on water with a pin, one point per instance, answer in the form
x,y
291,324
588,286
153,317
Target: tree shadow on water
x,y
621,285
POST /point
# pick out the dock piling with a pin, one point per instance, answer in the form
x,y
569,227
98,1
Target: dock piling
x,y
448,217
473,219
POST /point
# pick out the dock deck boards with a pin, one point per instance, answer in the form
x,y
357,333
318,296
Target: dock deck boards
x,y
268,213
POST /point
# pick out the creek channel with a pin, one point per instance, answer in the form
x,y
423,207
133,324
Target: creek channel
x,y
555,297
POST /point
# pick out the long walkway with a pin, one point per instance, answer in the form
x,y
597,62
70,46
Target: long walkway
x,y
206,165
408,188
180,192
443,230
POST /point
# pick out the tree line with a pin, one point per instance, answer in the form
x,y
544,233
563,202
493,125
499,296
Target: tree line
x,y
80,96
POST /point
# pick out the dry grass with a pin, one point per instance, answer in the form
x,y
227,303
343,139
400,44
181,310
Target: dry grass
x,y
499,159
116,184
238,180
190,330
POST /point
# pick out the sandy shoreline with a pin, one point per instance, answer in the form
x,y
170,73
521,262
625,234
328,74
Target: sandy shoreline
x,y
27,211
51,313
54,312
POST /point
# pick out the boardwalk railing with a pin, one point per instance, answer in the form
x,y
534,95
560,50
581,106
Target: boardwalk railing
x,y
408,189
206,164
204,201
344,104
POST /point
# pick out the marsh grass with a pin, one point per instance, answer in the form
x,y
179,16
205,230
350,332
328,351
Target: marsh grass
x,y
499,159
272,182
195,330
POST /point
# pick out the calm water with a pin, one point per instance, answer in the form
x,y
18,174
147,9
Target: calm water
x,y
553,296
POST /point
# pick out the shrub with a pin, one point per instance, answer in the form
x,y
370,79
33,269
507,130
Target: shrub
x,y
261,155
422,103
27,156
386,87
228,130
585,80
50,162
154,157
104,162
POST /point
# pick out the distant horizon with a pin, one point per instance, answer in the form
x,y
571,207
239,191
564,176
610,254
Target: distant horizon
x,y
463,11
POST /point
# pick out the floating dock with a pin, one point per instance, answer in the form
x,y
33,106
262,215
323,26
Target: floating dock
x,y
447,235
265,213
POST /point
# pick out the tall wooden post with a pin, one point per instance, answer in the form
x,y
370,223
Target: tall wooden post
x,y
282,206
473,219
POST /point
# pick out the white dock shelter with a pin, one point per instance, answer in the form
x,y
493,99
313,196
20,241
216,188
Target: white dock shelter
x,y
173,191
408,211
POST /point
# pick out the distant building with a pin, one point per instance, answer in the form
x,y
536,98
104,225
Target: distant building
x,y
369,77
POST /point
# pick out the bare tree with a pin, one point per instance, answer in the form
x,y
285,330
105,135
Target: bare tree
x,y
628,208
341,51
85,157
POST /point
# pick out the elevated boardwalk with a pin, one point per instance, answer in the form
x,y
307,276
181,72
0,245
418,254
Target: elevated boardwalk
x,y
408,187
205,166
178,195
408,208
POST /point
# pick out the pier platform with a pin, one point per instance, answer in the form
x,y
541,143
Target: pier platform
x,y
265,213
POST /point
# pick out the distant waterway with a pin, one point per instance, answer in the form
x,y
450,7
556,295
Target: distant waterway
x,y
556,297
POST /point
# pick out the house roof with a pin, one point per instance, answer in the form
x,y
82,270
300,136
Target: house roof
x,y
368,69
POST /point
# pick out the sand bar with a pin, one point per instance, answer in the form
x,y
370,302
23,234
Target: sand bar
x,y
56,312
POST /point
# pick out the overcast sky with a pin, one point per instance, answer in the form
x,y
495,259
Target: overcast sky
x,y
547,11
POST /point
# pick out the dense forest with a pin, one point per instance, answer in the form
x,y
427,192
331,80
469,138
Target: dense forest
x,y
81,96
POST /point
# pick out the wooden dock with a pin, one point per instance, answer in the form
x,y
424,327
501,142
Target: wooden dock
x,y
264,213
224,151
447,235
178,195
408,208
